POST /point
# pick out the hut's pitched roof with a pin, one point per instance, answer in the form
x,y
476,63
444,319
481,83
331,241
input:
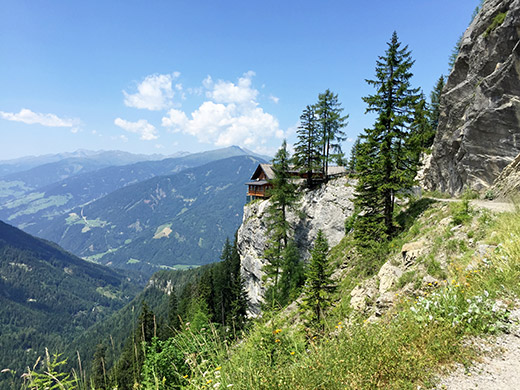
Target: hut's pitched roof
x,y
270,175
267,169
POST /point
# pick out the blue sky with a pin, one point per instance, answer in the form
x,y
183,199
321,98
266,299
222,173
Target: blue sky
x,y
165,76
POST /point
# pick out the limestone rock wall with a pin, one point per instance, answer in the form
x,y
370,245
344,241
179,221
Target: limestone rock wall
x,y
479,126
325,208
507,184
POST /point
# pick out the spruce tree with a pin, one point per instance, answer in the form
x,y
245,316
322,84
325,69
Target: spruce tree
x,y
174,322
293,274
319,284
307,153
238,311
331,125
99,372
282,198
387,161
435,106
354,151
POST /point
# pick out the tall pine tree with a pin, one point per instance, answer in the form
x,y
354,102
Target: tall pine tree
x,y
307,151
388,165
331,125
319,284
282,198
435,105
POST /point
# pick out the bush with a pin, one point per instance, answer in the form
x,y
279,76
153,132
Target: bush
x,y
461,212
476,314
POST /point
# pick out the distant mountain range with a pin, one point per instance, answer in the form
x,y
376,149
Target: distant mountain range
x,y
106,158
49,296
169,221
30,204
182,208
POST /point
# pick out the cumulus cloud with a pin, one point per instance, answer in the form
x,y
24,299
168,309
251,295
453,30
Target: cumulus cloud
x,y
154,93
49,120
230,116
228,92
146,130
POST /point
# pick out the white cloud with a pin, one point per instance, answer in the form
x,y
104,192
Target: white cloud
x,y
141,127
49,120
154,93
231,116
228,92
274,99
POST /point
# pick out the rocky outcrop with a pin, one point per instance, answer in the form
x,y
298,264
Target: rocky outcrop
x,y
479,126
325,208
507,184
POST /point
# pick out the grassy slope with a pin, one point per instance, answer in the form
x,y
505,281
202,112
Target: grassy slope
x,y
412,341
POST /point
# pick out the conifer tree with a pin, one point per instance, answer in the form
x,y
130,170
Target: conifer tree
x,y
388,165
293,274
319,284
238,312
174,322
331,125
99,372
352,162
307,153
282,198
435,105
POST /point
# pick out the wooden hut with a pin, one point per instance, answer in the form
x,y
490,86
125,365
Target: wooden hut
x,y
259,184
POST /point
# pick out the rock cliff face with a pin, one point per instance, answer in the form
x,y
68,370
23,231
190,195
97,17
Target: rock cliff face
x,y
507,184
325,208
479,127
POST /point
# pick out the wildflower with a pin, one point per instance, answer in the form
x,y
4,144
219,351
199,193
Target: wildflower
x,y
218,368
277,331
339,323
292,352
185,376
277,340
209,381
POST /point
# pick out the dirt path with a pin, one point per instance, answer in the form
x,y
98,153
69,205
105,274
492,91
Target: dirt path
x,y
498,207
499,368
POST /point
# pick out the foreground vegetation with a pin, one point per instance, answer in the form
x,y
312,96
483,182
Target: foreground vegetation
x,y
407,346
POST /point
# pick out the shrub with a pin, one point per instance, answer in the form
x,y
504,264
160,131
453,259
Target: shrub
x,y
497,21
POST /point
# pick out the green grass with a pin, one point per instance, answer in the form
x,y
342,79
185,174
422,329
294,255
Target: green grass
x,y
41,204
497,21
404,349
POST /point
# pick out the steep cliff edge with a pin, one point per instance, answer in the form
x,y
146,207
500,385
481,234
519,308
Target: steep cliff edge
x,y
479,126
325,208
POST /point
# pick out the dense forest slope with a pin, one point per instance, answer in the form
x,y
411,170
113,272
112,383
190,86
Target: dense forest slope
x,y
48,296
167,221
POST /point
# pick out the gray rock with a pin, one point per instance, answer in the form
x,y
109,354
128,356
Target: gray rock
x,y
363,294
507,184
479,126
388,276
325,208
